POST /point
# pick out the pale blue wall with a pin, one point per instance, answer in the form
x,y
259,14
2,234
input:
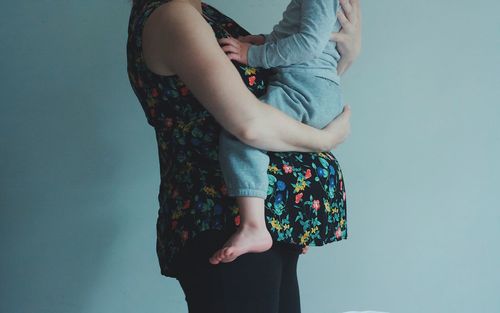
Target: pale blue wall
x,y
79,173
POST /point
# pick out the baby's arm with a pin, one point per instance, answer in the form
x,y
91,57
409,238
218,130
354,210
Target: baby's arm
x,y
317,20
271,37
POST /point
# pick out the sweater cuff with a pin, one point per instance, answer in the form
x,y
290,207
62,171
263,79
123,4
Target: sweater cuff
x,y
256,56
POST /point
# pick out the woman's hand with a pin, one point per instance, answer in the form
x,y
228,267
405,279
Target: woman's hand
x,y
349,38
235,49
340,128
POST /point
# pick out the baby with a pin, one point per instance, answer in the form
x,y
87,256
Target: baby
x,y
305,86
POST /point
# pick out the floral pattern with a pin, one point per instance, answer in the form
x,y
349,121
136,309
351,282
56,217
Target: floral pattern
x,y
306,203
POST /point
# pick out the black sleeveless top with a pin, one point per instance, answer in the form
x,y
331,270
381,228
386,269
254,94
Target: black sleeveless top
x,y
306,203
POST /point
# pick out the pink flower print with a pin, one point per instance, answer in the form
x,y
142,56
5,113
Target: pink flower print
x,y
344,195
169,122
251,80
184,91
237,220
298,197
316,205
154,93
338,233
308,174
287,168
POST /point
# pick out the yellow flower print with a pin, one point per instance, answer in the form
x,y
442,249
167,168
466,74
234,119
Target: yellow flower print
x,y
304,238
250,71
275,224
323,155
151,103
342,221
273,169
328,209
301,185
314,229
176,214
185,127
209,191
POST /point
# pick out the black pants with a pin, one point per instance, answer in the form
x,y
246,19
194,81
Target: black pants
x,y
253,283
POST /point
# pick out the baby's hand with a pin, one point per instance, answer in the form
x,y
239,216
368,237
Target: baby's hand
x,y
235,49
305,249
253,39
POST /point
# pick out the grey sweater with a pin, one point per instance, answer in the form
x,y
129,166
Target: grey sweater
x,y
300,41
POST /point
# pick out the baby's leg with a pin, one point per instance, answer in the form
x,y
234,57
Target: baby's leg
x,y
324,100
245,173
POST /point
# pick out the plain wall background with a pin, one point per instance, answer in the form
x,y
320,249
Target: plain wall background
x,y
79,171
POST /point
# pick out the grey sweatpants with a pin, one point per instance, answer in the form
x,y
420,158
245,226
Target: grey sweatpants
x,y
313,100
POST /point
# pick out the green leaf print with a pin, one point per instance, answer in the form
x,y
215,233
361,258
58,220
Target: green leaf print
x,y
324,163
299,217
197,133
279,208
315,222
272,179
305,224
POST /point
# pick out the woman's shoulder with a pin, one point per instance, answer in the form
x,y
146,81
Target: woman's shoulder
x,y
167,11
164,22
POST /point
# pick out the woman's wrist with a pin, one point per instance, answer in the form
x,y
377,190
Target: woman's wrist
x,y
327,142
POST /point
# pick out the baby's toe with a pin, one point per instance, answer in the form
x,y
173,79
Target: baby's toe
x,y
228,252
216,257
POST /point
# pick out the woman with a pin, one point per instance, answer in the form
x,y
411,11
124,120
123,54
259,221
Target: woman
x,y
174,59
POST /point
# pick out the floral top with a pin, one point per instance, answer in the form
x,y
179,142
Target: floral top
x,y
306,203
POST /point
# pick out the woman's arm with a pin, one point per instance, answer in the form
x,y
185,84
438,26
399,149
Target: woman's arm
x,y
177,38
349,38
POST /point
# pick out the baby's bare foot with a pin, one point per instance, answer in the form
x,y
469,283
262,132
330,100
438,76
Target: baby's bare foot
x,y
245,239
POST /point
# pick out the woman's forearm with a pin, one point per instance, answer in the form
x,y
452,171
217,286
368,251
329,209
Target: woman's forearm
x,y
272,130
